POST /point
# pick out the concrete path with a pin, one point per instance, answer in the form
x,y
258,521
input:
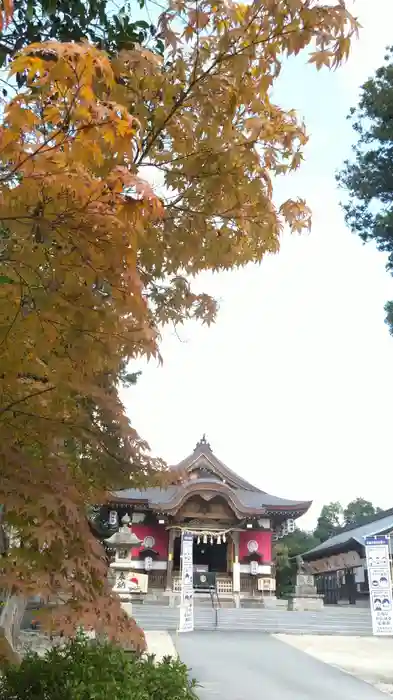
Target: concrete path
x,y
369,658
160,644
248,665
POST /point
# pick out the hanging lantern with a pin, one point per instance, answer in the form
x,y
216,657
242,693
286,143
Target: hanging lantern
x,y
211,540
219,539
204,539
199,540
224,539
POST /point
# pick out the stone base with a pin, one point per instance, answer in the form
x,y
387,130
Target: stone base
x,y
274,603
304,603
127,607
305,592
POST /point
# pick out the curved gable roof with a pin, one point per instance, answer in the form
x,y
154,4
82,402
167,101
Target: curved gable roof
x,y
203,457
213,474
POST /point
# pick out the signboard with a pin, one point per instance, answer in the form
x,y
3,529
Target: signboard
x,y
380,584
204,579
131,582
186,623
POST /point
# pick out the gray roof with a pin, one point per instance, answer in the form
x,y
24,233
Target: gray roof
x,y
203,459
358,534
153,495
204,452
254,499
250,499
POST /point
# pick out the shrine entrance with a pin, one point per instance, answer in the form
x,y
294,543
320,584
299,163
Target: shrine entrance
x,y
213,555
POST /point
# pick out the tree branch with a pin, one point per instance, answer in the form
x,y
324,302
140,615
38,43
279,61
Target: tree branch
x,y
25,398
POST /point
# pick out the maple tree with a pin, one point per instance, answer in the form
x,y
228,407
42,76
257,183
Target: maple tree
x,y
71,312
93,262
212,132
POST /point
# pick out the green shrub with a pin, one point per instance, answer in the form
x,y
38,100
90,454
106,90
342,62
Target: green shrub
x,y
86,670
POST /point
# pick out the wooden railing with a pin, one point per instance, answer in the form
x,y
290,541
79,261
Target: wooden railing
x,y
249,585
157,579
224,585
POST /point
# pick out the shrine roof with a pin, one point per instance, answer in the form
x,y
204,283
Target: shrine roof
x,y
203,457
157,497
377,525
201,470
149,495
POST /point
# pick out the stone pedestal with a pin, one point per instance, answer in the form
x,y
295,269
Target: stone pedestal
x,y
305,596
127,607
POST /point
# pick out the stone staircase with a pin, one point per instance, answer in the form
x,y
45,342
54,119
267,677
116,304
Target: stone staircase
x,y
331,621
201,600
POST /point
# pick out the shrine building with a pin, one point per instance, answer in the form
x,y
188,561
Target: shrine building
x,y
233,523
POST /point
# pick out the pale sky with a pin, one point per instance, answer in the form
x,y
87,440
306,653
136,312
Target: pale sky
x,y
293,384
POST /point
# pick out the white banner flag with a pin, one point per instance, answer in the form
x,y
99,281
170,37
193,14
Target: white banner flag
x,y
186,622
380,584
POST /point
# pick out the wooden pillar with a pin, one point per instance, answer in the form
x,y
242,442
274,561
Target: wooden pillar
x,y
236,542
236,564
230,554
169,570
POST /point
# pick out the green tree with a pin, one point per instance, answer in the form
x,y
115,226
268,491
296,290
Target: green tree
x,y
299,542
368,176
359,510
108,25
285,553
329,522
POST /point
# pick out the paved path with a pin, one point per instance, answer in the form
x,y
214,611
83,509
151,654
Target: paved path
x,y
335,620
160,644
246,665
369,658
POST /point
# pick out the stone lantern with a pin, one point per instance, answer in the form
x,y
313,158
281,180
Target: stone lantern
x,y
123,541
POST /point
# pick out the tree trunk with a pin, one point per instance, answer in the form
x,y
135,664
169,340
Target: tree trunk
x,y
10,621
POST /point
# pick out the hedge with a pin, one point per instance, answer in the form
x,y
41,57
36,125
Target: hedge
x,y
83,669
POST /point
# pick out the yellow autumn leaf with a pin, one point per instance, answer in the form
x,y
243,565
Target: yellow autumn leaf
x,y
52,114
124,127
108,136
321,58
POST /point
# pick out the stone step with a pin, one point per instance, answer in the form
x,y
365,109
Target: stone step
x,y
337,621
198,603
250,603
